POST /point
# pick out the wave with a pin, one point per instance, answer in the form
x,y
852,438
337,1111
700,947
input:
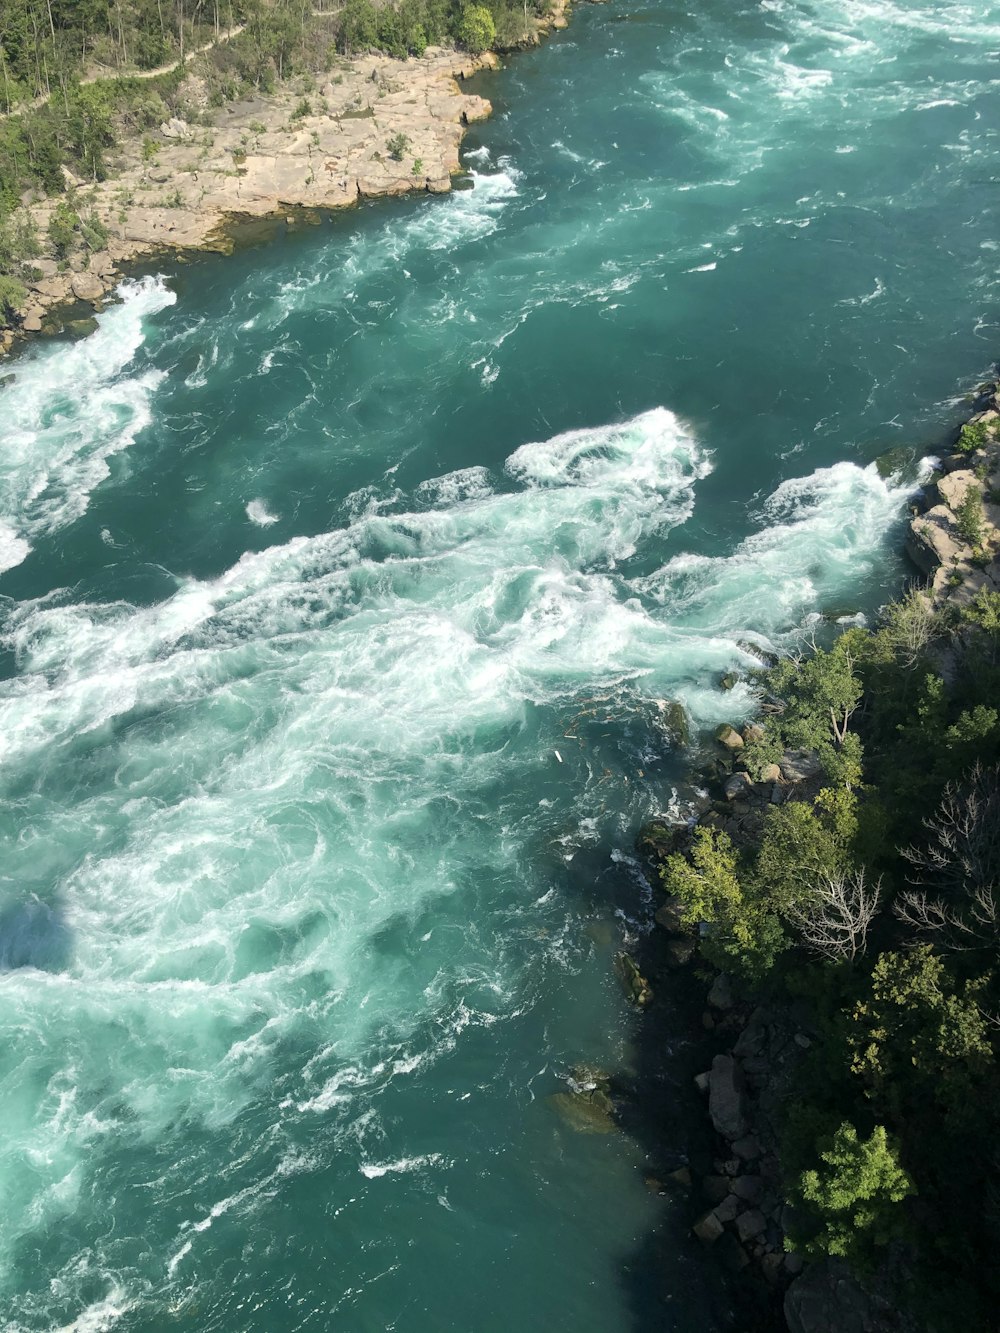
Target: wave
x,y
291,809
67,412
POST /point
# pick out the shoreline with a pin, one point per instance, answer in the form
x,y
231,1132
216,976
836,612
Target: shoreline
x,y
374,127
755,1040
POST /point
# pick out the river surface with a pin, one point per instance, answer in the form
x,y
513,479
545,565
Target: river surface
x,y
342,579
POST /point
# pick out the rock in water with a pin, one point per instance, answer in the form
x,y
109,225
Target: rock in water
x,y
637,988
729,737
674,721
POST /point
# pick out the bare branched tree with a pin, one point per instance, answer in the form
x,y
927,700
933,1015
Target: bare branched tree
x,y
956,874
912,625
833,920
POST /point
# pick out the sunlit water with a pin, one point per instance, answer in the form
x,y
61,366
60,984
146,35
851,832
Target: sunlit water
x,y
343,578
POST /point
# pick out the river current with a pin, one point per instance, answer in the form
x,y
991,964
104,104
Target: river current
x,y
343,579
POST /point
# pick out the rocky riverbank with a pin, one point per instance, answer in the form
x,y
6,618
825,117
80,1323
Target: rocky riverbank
x,y
954,537
373,126
756,1048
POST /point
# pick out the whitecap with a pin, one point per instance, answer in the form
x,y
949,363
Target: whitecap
x,y
258,512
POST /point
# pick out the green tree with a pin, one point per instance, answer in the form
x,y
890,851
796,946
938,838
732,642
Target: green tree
x,y
12,297
62,228
917,1037
476,29
821,693
856,1194
969,517
744,935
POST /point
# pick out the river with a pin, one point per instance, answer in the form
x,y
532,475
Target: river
x,y
343,579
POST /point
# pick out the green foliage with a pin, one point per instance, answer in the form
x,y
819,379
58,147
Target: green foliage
x,y
397,144
12,296
969,517
855,1194
476,29
801,844
150,149
821,693
914,1036
62,229
93,231
303,109
358,26
744,935
973,435
418,166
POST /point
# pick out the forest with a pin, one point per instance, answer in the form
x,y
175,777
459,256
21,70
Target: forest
x,y
873,909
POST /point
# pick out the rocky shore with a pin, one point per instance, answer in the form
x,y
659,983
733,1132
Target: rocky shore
x,y
739,1206
954,535
373,126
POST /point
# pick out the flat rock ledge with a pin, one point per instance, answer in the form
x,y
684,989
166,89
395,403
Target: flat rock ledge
x,y
268,157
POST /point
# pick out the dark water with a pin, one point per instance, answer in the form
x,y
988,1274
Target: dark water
x,y
343,580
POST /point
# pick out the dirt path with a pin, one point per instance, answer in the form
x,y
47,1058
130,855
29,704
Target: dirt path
x,y
135,74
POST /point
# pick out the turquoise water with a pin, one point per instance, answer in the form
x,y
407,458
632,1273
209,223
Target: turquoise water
x,y
343,581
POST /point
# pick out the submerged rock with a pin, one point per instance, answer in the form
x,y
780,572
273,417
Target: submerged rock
x,y
587,1108
674,721
636,987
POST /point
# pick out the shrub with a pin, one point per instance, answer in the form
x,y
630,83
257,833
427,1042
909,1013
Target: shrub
x,y
12,297
93,231
62,229
969,517
358,26
397,145
476,29
972,436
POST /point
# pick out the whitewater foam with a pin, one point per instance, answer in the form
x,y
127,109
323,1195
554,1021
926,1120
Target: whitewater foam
x,y
69,410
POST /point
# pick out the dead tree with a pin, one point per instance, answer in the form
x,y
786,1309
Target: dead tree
x,y
834,918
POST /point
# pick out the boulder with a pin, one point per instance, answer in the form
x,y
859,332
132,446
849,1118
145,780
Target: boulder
x,y
586,1113
747,1149
800,765
729,737
679,952
673,721
932,540
708,1228
727,1209
727,1098
750,1224
175,128
703,1081
669,915
748,1188
737,785
721,994
826,1298
770,773
86,287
